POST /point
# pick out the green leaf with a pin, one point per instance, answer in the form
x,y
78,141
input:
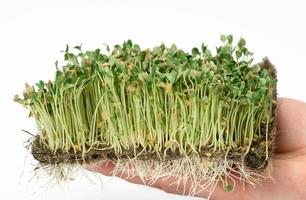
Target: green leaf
x,y
173,47
223,38
40,84
195,51
90,55
145,64
67,48
241,43
136,47
68,86
206,69
238,54
235,91
251,82
203,47
71,58
106,47
56,64
128,44
97,52
79,47
208,53
263,81
181,55
112,61
142,56
230,39
171,77
58,76
228,188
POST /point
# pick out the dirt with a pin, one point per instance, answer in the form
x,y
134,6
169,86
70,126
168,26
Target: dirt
x,y
256,159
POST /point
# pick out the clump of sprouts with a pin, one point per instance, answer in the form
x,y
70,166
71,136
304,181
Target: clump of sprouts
x,y
161,112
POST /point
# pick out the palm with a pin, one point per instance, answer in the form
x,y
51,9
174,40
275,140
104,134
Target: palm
x,y
289,162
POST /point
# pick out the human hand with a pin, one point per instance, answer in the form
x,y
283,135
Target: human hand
x,y
289,163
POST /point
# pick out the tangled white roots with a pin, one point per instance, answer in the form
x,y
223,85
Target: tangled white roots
x,y
197,173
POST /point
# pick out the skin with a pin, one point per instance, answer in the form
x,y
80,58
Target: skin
x,y
289,163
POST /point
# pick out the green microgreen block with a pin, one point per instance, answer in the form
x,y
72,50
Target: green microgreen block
x,y
161,100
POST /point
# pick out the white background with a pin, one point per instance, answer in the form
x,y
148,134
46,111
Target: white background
x,y
32,33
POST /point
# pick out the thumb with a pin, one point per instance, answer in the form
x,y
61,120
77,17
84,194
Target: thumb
x,y
291,125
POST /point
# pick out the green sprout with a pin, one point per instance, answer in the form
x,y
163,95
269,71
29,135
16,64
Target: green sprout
x,y
165,111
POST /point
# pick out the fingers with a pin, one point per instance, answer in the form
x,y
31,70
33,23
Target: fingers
x,y
106,168
291,125
285,175
171,184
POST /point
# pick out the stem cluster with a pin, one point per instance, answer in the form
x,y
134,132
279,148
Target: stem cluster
x,y
157,100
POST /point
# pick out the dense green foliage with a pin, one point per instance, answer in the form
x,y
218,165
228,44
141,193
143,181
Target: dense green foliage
x,y
159,100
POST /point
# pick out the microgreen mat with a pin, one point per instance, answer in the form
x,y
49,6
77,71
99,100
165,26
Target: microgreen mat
x,y
197,114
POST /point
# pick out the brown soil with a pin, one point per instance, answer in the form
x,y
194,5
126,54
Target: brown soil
x,y
255,158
